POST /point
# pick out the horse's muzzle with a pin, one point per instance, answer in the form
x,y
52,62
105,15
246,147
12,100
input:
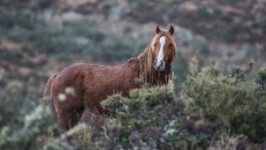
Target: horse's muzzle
x,y
159,65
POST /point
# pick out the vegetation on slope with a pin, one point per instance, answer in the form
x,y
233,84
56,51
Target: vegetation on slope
x,y
210,105
235,103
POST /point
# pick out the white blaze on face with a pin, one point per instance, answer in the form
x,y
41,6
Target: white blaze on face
x,y
160,55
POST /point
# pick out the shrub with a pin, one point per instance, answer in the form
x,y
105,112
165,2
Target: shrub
x,y
262,24
203,48
180,69
238,105
70,37
151,118
36,126
10,19
9,108
36,123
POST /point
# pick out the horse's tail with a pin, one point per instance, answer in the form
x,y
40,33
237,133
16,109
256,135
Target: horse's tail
x,y
48,100
47,95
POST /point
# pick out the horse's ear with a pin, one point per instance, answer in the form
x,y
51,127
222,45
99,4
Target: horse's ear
x,y
171,30
157,29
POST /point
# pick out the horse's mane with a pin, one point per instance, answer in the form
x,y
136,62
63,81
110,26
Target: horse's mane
x,y
145,63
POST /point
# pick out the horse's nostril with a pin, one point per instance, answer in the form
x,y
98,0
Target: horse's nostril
x,y
161,63
158,65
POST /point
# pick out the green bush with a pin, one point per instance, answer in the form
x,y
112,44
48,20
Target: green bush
x,y
238,105
70,37
36,127
151,118
10,19
9,108
262,24
203,47
36,123
180,69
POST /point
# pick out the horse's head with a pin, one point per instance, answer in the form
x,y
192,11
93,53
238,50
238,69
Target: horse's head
x,y
163,48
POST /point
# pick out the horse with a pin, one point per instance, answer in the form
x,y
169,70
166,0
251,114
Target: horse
x,y
80,85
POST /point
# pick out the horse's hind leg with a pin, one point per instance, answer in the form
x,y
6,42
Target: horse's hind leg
x,y
75,116
68,118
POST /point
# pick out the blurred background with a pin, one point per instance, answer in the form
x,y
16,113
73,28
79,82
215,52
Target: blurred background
x,y
40,37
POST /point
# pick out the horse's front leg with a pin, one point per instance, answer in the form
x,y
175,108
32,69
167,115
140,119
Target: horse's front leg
x,y
101,110
93,102
97,109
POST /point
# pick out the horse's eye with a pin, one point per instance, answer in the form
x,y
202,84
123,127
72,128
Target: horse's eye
x,y
170,45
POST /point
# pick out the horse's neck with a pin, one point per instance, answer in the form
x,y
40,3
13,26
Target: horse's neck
x,y
147,72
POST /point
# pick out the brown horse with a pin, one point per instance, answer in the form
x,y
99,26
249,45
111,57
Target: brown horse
x,y
81,85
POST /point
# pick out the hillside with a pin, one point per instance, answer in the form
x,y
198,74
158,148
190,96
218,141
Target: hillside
x,y
40,37
224,32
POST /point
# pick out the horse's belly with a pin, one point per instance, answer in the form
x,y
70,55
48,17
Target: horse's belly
x,y
101,91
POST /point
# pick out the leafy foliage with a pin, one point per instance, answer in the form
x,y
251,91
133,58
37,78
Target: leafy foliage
x,y
151,119
236,104
39,121
36,126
